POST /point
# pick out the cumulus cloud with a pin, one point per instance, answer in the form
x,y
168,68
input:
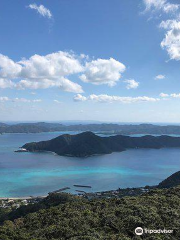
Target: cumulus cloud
x,y
42,10
4,83
54,70
62,83
41,72
171,41
132,84
162,5
103,71
79,98
104,98
53,65
160,76
8,68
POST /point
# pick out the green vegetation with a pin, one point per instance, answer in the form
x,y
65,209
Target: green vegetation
x,y
172,181
87,143
104,127
63,216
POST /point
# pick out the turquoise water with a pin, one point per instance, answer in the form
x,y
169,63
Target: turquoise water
x,y
25,174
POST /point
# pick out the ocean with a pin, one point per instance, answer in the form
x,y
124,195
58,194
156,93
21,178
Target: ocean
x,y
35,174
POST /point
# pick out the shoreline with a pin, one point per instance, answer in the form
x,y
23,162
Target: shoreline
x,y
22,198
83,193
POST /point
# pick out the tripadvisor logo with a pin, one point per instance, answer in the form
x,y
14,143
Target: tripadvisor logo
x,y
139,231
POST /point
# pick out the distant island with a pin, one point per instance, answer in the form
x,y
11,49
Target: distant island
x,y
87,144
106,128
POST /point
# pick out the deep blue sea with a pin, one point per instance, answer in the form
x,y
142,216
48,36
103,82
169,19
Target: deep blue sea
x,y
33,174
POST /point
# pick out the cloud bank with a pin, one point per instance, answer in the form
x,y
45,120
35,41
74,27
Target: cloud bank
x,y
104,98
23,100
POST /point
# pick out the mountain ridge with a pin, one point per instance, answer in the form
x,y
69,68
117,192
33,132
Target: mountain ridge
x,y
88,144
115,128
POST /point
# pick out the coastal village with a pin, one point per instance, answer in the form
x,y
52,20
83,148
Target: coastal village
x,y
14,203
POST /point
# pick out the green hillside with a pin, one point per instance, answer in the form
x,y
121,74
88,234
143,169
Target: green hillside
x,y
63,216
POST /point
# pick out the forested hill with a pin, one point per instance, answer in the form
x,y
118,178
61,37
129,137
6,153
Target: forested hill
x,y
172,181
87,144
62,217
105,127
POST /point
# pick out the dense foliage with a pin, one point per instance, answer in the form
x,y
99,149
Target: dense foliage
x,y
87,144
67,217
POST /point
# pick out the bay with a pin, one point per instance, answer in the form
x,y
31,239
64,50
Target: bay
x,y
33,174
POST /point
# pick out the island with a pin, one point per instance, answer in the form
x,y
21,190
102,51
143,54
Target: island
x,y
87,144
102,128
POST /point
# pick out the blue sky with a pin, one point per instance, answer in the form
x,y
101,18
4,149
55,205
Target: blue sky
x,y
102,60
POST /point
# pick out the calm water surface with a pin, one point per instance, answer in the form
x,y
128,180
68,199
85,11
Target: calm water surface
x,y
25,174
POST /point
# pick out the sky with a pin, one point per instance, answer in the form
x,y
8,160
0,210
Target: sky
x,y
102,60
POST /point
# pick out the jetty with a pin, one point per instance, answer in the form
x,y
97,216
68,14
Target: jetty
x,y
82,186
60,190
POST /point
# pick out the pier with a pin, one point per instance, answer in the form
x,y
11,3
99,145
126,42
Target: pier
x,y
60,190
82,186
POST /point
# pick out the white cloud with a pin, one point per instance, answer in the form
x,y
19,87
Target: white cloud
x,y
24,100
160,76
53,65
163,95
132,84
79,98
103,71
104,98
41,72
171,42
172,95
4,99
8,68
43,11
63,84
53,70
57,101
162,5
4,83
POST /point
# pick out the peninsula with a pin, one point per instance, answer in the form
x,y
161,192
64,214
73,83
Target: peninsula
x,y
105,128
88,144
